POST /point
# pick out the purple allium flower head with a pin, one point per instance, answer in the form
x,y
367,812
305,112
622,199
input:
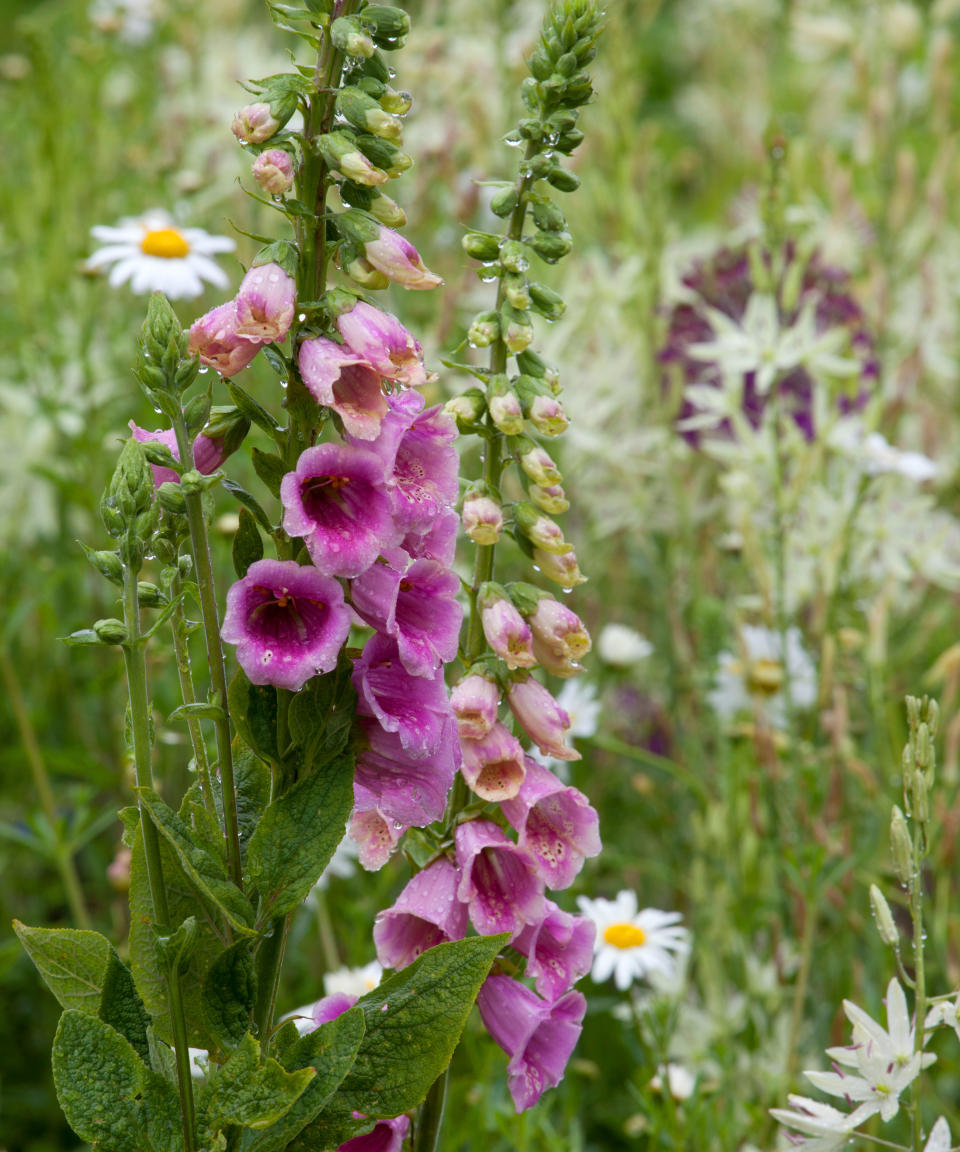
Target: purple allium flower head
x,y
438,543
493,766
387,1136
288,622
498,879
559,950
724,282
542,718
474,701
415,707
342,379
427,912
407,790
385,343
265,304
338,502
328,1008
507,633
375,833
415,602
559,637
555,823
537,1035
216,340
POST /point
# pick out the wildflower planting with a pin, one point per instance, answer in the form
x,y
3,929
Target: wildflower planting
x,y
481,658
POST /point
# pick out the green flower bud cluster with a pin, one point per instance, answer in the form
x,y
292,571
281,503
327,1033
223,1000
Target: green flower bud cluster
x,y
128,510
919,757
163,367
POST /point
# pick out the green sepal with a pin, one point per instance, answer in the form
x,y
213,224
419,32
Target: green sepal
x,y
111,1099
282,252
248,1090
247,544
229,994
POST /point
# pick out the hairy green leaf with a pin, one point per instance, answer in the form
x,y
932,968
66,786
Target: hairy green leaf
x,y
321,715
253,708
271,470
248,1090
247,544
229,993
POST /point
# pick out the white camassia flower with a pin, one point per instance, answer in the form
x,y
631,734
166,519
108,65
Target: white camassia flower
x,y
156,256
757,676
632,945
876,456
939,1140
829,1128
883,1058
622,646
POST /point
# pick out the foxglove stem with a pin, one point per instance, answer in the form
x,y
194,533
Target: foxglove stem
x,y
430,1116
135,662
181,650
269,962
63,853
203,568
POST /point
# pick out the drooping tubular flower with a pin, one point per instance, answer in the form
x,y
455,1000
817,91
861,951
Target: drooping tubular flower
x,y
427,912
384,251
265,304
385,344
288,623
344,380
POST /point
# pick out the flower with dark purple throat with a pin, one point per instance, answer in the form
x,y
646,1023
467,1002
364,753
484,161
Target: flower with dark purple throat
x,y
288,623
337,501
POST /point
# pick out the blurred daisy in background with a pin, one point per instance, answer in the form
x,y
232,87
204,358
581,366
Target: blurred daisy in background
x,y
131,20
755,679
632,945
154,255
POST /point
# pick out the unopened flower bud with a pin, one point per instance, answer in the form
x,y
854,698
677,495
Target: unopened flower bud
x,y
517,291
171,498
467,409
131,486
348,35
106,563
361,110
548,303
387,211
360,270
482,519
550,246
150,595
216,340
341,154
900,846
504,628
541,406
568,142
387,22
919,795
387,251
513,256
484,329
537,464
481,246
539,529
531,363
255,123
551,499
474,702
504,405
924,748
559,637
111,631
563,179
273,171
561,569
397,103
504,201
384,154
883,917
516,331
548,217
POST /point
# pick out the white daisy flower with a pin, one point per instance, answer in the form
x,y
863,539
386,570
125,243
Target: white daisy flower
x,y
632,945
756,677
621,646
156,256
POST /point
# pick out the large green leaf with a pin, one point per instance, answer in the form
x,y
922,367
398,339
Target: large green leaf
x,y
298,834
108,1095
253,709
229,993
331,1049
413,1023
84,972
321,715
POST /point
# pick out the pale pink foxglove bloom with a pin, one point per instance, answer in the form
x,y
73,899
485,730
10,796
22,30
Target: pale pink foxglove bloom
x,y
415,602
216,340
548,416
474,701
506,413
555,824
328,1008
255,123
342,379
427,912
385,343
482,519
208,453
498,879
387,1136
409,790
493,766
396,258
273,171
538,1035
561,569
559,950
507,634
375,833
265,304
288,621
337,501
438,543
417,708
559,637
538,464
542,718
551,498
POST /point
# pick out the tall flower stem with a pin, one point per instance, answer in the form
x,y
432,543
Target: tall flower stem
x,y
41,779
203,570
181,650
134,658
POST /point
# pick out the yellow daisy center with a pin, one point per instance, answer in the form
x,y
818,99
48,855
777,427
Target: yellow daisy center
x,y
765,677
624,936
167,243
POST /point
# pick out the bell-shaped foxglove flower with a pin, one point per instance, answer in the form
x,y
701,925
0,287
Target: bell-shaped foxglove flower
x,y
498,879
493,766
542,718
216,339
342,379
474,701
427,912
407,790
384,342
374,832
265,304
559,950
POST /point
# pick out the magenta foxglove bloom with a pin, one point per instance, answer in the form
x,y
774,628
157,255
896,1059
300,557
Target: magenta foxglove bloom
x,y
474,701
438,543
537,1035
387,252
337,501
555,823
542,718
375,833
493,766
498,879
288,622
342,379
384,342
406,789
415,602
427,912
328,1008
559,637
507,634
265,304
387,1136
216,339
415,707
559,950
